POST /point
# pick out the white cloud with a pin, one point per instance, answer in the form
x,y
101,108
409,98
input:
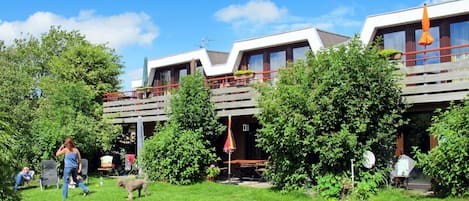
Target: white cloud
x,y
261,16
255,11
117,30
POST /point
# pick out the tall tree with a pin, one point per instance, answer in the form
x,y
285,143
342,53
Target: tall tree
x,y
329,109
192,108
179,151
54,85
8,161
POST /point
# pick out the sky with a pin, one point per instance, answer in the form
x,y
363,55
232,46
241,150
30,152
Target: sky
x,y
154,29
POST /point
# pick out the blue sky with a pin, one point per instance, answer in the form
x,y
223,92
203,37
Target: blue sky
x,y
153,29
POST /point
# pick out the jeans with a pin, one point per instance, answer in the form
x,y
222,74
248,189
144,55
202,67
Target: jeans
x,y
18,181
67,172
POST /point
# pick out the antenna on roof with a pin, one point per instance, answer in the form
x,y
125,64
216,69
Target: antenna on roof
x,y
204,42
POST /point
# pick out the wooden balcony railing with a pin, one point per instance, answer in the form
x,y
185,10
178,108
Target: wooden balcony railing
x,y
441,73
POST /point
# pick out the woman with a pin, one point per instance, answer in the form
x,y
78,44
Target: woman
x,y
72,160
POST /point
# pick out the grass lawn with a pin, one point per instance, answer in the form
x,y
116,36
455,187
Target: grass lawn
x,y
197,192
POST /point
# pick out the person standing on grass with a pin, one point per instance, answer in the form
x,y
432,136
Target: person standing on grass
x,y
72,160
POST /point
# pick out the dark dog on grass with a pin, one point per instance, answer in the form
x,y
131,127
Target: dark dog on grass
x,y
131,186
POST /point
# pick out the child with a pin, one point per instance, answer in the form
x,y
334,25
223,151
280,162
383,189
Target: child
x,y
21,177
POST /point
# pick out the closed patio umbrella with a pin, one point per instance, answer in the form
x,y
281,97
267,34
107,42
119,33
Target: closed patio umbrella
x,y
229,146
426,38
140,138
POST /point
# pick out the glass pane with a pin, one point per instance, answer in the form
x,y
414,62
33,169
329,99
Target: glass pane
x,y
300,53
430,57
277,60
395,40
459,33
256,63
165,77
182,73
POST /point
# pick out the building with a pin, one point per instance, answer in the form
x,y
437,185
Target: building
x,y
435,74
264,55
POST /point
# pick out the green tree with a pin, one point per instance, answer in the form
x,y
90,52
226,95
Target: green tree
x,y
448,163
192,108
53,86
329,109
8,162
179,152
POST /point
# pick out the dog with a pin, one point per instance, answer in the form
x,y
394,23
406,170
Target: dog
x,y
131,186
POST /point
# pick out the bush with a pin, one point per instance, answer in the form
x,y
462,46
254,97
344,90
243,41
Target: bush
x,y
7,163
368,185
330,185
329,109
448,163
212,171
176,156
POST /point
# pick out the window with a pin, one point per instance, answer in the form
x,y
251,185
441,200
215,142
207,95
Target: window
x,y
300,53
277,60
256,63
394,40
165,77
459,33
430,57
182,73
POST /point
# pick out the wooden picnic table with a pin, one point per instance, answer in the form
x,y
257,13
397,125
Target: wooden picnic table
x,y
248,169
245,162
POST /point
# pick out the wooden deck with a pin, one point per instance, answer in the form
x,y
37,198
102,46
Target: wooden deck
x,y
424,84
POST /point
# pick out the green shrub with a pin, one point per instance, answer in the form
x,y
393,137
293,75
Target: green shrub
x,y
388,53
330,185
448,163
329,109
176,156
212,171
368,185
7,163
243,72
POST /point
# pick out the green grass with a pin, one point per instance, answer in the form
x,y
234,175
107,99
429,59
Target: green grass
x,y
199,192
160,191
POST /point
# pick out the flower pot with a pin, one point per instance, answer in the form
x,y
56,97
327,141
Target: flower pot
x,y
210,179
397,56
244,76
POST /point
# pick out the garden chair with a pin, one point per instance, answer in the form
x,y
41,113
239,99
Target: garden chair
x,y
106,166
84,170
49,174
129,166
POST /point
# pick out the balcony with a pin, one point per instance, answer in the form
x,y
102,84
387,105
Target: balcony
x,y
446,80
443,74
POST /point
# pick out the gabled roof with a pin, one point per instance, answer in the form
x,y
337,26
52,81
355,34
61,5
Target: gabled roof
x,y
330,39
219,63
411,15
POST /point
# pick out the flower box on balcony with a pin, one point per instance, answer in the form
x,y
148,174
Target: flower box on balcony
x,y
391,54
243,74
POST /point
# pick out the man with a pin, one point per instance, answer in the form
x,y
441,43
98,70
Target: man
x,y
21,177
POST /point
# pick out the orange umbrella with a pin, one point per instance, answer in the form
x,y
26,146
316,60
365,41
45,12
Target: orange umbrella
x,y
426,38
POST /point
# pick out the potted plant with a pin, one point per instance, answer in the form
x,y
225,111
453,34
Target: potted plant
x,y
391,54
212,172
244,74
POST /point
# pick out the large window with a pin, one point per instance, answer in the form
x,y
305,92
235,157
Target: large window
x,y
459,36
277,60
181,73
165,77
300,53
429,57
394,40
256,63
